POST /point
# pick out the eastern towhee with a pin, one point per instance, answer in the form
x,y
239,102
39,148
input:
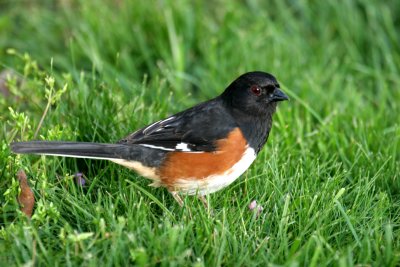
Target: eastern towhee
x,y
197,151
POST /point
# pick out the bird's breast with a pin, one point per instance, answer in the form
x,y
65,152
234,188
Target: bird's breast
x,y
208,172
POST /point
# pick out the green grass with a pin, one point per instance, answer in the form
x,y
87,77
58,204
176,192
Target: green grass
x,y
328,178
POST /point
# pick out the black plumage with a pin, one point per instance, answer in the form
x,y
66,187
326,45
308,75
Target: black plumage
x,y
247,104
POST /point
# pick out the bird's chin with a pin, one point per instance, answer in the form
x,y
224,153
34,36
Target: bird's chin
x,y
271,107
272,104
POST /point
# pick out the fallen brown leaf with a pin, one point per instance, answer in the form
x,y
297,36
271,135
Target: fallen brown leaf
x,y
26,199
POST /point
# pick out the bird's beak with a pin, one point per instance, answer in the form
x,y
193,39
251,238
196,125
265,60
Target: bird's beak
x,y
278,95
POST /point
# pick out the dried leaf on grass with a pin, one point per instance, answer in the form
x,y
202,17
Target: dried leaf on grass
x,y
26,199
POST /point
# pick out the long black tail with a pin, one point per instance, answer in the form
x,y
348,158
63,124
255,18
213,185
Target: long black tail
x,y
78,149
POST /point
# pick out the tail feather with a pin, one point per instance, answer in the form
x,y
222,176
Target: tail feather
x,y
76,149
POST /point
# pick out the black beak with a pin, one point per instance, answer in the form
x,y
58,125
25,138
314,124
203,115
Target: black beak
x,y
278,95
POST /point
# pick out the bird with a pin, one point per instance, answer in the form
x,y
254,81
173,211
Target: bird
x,y
198,151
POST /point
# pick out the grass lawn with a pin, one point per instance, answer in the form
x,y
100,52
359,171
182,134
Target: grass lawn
x,y
328,179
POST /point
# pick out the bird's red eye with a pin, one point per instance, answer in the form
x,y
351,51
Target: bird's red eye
x,y
256,90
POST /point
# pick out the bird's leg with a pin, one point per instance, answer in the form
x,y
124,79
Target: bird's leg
x,y
177,198
203,200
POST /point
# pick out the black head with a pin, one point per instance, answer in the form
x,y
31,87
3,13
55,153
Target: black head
x,y
254,93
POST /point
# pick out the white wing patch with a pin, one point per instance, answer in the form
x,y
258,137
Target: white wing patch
x,y
182,147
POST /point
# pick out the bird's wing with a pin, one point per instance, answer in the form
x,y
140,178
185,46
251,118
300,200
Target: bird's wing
x,y
194,130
